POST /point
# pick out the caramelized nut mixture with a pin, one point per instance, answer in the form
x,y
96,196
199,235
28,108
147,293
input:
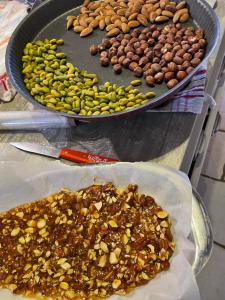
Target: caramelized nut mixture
x,y
88,244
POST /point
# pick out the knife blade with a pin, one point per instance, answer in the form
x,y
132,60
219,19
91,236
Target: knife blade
x,y
66,153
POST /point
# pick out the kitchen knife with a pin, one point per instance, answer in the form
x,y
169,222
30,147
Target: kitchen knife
x,y
66,153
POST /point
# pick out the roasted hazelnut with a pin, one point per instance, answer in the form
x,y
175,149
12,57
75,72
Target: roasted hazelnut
x,y
128,49
180,68
130,55
139,51
178,26
199,32
168,57
104,54
187,56
192,40
119,37
155,34
104,61
149,72
165,69
142,36
134,40
114,60
151,42
124,42
199,55
145,30
202,43
133,65
168,46
149,35
181,75
147,66
172,83
156,67
159,77
195,62
180,53
117,69
196,47
120,53
155,60
112,40
150,81
134,34
186,47
178,60
127,36
189,70
93,49
153,27
158,53
177,38
158,46
136,58
162,63
168,76
101,48
186,64
138,72
137,45
106,43
172,67
121,59
143,61
126,62
150,55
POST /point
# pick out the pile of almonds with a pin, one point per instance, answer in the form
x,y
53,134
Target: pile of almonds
x,y
159,54
117,16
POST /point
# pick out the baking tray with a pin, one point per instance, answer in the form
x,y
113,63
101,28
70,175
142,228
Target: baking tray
x,y
48,20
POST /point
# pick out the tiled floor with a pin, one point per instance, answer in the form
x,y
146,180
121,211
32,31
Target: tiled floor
x,y
212,188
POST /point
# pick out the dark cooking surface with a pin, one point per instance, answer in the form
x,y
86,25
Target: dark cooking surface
x,y
52,24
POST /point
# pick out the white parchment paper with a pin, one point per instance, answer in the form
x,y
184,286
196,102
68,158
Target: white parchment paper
x,y
21,182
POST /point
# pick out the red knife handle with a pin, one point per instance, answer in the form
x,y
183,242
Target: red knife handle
x,y
83,157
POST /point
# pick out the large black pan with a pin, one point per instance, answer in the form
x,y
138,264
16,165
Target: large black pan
x,y
49,21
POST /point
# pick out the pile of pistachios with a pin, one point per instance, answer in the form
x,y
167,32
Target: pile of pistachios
x,y
57,84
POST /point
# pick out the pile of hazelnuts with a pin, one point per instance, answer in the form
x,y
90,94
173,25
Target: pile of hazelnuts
x,y
159,54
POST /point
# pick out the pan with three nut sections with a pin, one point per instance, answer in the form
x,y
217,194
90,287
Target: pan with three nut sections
x,y
48,20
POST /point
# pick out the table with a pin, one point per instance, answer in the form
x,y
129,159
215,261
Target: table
x,y
178,140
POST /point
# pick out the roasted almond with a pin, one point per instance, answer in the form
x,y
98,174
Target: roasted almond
x,y
152,1
133,17
161,19
83,10
75,23
78,28
118,23
158,11
94,24
108,20
69,23
178,14
94,5
113,32
102,24
82,20
167,13
110,27
163,3
171,8
137,7
109,12
114,18
144,12
133,24
184,18
86,31
142,19
125,28
153,16
181,5
121,12
156,6
123,19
